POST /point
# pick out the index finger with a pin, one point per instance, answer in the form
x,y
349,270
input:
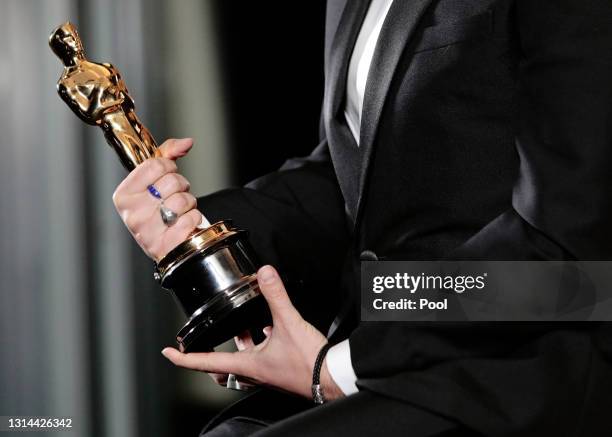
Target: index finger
x,y
146,174
211,362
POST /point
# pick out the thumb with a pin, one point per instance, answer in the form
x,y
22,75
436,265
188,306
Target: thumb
x,y
176,148
274,292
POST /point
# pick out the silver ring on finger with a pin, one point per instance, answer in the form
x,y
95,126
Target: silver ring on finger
x,y
168,216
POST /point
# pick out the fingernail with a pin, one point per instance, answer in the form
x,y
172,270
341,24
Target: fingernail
x,y
267,274
164,352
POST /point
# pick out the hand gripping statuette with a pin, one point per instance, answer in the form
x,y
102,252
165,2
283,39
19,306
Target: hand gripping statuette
x,y
212,274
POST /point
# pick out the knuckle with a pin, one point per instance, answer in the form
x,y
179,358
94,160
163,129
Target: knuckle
x,y
185,185
184,182
195,217
178,182
190,200
189,221
160,166
170,164
138,237
168,142
155,250
180,201
174,183
165,185
117,199
157,166
171,142
247,365
203,364
176,202
131,222
275,293
152,168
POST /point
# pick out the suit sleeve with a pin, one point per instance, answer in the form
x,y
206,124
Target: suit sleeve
x,y
297,223
562,199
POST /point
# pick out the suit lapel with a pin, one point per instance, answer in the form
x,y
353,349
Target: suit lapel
x,y
397,30
340,54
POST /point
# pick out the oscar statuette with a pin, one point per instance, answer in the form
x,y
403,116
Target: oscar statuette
x,y
212,274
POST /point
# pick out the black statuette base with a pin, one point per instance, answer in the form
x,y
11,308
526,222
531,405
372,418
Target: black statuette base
x,y
217,289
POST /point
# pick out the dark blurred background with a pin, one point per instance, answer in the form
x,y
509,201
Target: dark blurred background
x,y
81,321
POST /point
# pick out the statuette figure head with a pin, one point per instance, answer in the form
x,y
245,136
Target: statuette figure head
x,y
66,44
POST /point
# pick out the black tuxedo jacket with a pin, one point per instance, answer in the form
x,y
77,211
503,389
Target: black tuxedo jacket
x,y
486,134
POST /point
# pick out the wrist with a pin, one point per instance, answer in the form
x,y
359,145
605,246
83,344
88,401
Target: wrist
x,y
330,388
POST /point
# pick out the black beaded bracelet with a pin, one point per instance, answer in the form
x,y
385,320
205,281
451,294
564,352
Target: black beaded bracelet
x,y
317,391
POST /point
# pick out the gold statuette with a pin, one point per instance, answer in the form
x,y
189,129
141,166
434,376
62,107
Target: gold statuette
x,y
98,96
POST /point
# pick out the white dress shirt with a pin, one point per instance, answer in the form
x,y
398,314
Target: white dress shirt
x,y
339,356
361,59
